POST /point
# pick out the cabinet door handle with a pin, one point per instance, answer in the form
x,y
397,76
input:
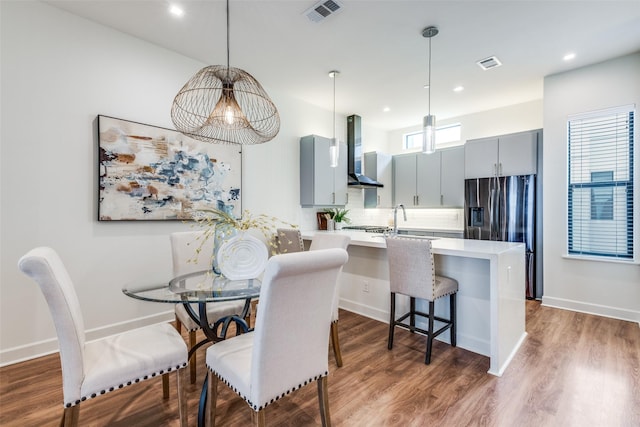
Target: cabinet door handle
x,y
378,203
333,198
500,169
495,169
417,202
347,198
441,199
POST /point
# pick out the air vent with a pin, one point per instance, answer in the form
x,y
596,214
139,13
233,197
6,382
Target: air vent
x,y
488,63
320,11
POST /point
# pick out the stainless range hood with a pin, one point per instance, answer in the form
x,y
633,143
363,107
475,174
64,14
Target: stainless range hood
x,y
354,155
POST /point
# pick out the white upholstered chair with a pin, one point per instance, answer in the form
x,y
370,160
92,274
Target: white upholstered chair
x,y
412,273
326,241
283,353
183,251
91,369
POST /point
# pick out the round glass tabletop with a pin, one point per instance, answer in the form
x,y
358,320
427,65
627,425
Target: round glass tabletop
x,y
200,286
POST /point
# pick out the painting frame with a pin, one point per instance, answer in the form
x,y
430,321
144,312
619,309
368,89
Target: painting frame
x,y
151,173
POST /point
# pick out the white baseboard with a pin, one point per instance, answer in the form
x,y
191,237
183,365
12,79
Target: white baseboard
x,y
42,348
596,309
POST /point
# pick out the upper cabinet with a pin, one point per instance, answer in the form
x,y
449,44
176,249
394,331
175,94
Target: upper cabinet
x,y
513,154
378,166
430,180
320,184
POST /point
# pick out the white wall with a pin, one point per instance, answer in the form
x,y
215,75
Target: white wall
x,y
606,288
58,73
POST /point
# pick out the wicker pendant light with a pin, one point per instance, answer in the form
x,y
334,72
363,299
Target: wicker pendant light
x,y
222,104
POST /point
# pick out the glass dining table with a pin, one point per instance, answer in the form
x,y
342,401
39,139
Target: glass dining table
x,y
202,288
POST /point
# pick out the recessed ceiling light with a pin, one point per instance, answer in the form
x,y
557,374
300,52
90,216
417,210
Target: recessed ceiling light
x,y
458,88
569,56
176,10
386,109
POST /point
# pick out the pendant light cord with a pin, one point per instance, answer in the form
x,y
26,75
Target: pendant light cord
x,y
334,104
429,80
228,39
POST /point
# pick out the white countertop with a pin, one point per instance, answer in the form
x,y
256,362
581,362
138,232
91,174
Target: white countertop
x,y
443,246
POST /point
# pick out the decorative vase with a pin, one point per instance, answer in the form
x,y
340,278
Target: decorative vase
x,y
223,233
338,225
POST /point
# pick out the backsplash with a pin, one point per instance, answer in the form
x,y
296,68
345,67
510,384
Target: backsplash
x,y
437,219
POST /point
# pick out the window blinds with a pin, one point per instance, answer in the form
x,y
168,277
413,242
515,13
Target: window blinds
x,y
600,183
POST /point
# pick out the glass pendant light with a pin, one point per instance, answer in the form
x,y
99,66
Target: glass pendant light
x,y
334,147
429,121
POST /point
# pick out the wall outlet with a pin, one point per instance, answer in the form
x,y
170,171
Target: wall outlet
x,y
365,286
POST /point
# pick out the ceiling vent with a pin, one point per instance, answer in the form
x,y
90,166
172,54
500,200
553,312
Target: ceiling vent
x,y
322,10
488,63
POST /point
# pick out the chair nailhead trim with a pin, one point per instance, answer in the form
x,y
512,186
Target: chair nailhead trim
x,y
261,407
119,386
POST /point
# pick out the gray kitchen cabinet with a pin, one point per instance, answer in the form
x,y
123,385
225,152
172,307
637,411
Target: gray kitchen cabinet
x,y
452,177
404,179
377,166
320,184
506,155
429,180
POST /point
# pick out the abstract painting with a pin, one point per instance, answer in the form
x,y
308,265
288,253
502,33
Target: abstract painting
x,y
153,173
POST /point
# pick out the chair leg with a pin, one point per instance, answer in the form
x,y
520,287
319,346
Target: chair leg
x,y
178,325
257,418
412,317
453,316
181,376
70,416
212,400
392,320
335,343
165,386
192,360
323,398
427,359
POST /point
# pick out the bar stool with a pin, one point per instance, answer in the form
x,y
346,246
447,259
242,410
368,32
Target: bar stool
x,y
412,273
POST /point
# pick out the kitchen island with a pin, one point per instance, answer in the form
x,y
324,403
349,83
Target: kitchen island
x,y
491,295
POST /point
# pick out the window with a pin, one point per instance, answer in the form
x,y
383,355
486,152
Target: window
x,y
600,193
602,197
444,134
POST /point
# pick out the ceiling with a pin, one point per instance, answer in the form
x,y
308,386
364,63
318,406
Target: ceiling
x,y
378,47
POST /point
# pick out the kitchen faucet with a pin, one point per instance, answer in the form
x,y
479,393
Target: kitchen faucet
x,y
395,217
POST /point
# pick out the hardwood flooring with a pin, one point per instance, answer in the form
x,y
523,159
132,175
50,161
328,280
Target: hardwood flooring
x,y
574,369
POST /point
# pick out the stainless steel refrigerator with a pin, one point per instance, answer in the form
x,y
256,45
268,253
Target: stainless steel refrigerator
x,y
504,209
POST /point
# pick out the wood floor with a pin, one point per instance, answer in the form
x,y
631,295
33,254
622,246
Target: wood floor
x,y
573,370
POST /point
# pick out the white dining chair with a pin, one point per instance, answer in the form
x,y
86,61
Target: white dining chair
x,y
326,241
282,354
94,368
185,260
412,273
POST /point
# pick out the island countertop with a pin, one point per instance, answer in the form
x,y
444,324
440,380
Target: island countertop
x,y
440,245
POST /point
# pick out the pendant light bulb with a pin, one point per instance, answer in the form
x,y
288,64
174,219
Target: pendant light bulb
x,y
429,121
334,147
429,134
333,153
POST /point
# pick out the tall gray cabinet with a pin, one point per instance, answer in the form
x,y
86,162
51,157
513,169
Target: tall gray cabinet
x,y
320,184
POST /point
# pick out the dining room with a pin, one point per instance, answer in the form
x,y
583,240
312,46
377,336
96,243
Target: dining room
x,y
577,365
